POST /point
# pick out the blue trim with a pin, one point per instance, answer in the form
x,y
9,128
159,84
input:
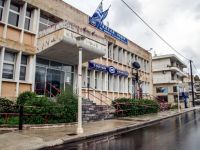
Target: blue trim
x,y
107,30
110,69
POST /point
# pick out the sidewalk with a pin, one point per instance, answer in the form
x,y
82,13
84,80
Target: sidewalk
x,y
36,138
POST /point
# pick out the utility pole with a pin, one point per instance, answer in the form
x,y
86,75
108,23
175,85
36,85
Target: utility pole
x,y
192,83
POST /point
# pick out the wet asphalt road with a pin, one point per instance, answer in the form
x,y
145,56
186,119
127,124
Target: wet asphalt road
x,y
177,133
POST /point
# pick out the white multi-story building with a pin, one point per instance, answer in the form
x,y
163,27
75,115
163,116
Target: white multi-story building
x,y
168,74
39,52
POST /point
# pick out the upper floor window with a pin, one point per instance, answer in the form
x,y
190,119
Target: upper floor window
x,y
162,90
46,21
23,67
1,8
14,14
9,65
28,19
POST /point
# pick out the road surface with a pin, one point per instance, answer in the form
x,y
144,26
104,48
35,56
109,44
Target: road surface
x,y
177,133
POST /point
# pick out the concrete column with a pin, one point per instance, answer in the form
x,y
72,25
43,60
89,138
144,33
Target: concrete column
x,y
17,71
5,16
1,67
35,19
94,90
32,71
80,128
22,21
118,88
123,85
75,77
35,23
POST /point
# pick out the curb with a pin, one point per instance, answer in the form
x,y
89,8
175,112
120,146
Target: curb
x,y
112,132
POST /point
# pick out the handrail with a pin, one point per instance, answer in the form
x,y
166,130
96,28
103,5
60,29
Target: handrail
x,y
47,91
153,96
53,86
101,93
99,99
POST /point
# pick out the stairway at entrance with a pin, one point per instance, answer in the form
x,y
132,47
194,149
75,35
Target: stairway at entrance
x,y
94,112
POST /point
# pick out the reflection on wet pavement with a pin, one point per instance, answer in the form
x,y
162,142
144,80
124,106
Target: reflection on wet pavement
x,y
177,133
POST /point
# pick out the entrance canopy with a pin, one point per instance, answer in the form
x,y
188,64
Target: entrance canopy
x,y
61,43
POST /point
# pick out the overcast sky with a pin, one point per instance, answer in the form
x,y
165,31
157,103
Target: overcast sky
x,y
177,21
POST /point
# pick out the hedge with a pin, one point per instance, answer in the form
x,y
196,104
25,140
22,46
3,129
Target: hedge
x,y
39,109
7,106
134,107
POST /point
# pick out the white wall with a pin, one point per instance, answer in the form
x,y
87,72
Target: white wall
x,y
160,64
160,77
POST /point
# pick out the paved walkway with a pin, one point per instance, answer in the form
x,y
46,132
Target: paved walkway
x,y
35,138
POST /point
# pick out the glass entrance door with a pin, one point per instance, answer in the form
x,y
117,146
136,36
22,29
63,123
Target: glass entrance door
x,y
40,80
55,81
51,77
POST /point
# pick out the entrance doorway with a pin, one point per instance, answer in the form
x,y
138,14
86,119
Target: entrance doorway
x,y
55,82
50,80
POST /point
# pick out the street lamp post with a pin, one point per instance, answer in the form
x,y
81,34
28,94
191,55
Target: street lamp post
x,y
80,41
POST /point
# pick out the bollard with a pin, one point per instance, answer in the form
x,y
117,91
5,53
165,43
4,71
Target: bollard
x,y
21,111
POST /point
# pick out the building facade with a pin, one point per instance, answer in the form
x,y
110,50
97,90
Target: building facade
x,y
169,78
39,52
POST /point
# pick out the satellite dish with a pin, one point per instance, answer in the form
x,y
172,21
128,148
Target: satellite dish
x,y
136,65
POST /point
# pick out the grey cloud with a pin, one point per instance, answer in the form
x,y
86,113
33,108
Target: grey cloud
x,y
122,16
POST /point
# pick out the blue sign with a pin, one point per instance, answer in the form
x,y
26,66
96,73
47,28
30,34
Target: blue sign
x,y
98,67
110,69
97,21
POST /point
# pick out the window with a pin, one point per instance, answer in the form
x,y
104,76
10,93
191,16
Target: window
x,y
130,86
121,84
9,65
115,53
161,90
55,65
175,89
116,83
88,78
120,55
145,65
42,62
1,8
104,81
14,14
23,67
46,21
96,82
109,82
110,50
27,19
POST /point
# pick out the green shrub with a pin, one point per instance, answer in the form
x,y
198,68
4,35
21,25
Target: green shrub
x,y
25,96
62,110
134,107
13,121
38,108
1,120
69,102
7,106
